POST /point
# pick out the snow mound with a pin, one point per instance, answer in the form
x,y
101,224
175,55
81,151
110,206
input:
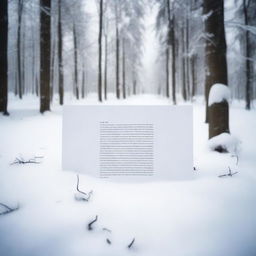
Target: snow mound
x,y
226,141
218,93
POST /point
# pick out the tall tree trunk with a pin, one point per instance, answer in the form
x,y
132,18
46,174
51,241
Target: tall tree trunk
x,y
187,56
215,49
100,52
83,81
193,74
216,63
124,77
45,52
60,50
20,13
172,33
117,54
75,61
106,68
3,56
167,56
247,55
184,81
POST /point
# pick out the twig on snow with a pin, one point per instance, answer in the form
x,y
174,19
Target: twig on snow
x,y
237,159
91,223
8,209
108,241
21,160
81,195
131,243
230,173
107,230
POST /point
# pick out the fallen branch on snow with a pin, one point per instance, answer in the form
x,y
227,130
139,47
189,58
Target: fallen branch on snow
x,y
8,209
91,223
81,195
230,173
29,161
131,244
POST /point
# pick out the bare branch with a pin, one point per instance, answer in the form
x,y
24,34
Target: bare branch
x,y
91,223
82,196
8,209
131,244
21,160
229,174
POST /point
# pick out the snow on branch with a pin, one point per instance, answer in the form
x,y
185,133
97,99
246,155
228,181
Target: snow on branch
x,y
251,29
8,209
218,93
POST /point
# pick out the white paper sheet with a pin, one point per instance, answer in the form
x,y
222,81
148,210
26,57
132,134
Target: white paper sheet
x,y
129,143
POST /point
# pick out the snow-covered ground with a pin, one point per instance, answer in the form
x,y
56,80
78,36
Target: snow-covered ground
x,y
207,216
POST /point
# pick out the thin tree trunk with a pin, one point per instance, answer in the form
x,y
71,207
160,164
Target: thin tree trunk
x,y
247,55
75,62
100,52
83,81
4,56
184,89
193,73
117,55
60,50
20,12
45,52
106,68
124,77
187,57
173,58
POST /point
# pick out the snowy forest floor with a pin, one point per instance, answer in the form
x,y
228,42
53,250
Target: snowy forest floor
x,y
208,216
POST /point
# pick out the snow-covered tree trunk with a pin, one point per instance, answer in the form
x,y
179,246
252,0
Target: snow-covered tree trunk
x,y
217,109
215,48
3,56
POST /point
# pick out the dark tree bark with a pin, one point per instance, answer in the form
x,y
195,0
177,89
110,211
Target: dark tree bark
x,y
215,49
124,75
167,59
218,120
100,52
249,66
45,52
193,75
3,56
167,51
83,82
184,81
218,113
75,61
60,50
